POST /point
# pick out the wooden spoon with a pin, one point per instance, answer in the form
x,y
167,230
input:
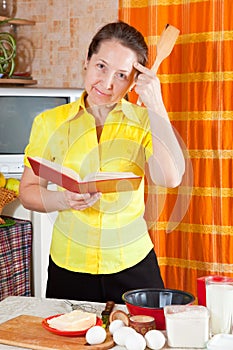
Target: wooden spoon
x,y
164,46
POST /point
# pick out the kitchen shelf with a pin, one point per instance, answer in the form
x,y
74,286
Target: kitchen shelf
x,y
17,21
18,81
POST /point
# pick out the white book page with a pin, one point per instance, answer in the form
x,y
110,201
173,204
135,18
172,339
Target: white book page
x,y
58,167
108,175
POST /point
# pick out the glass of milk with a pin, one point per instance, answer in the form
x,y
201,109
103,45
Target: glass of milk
x,y
219,301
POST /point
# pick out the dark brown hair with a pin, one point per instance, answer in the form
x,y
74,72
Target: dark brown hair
x,y
125,34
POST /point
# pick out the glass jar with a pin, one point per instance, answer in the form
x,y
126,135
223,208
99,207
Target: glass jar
x,y
7,8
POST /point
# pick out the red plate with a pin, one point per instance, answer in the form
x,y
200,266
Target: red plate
x,y
67,333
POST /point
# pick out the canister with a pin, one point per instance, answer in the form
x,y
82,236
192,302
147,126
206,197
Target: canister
x,y
187,326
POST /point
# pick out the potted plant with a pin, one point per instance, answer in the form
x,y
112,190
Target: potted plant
x,y
7,52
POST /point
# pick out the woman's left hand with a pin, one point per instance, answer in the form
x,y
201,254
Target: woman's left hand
x,y
149,89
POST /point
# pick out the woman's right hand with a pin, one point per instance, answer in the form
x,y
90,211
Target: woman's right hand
x,y
34,195
80,201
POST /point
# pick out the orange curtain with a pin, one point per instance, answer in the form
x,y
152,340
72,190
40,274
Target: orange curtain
x,y
197,86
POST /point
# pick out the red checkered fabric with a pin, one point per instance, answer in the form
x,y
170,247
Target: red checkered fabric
x,y
15,259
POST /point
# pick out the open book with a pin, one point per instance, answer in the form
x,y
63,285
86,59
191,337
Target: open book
x,y
67,178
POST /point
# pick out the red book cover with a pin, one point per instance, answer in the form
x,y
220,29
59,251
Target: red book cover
x,y
105,182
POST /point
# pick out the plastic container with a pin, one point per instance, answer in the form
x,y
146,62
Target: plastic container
x,y
187,326
221,342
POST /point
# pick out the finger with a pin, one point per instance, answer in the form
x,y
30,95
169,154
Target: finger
x,y
84,196
142,69
82,206
94,198
77,196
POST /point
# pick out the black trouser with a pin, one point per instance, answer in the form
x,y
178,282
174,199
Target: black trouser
x,y
65,284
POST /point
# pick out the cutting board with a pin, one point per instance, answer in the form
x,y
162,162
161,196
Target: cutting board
x,y
27,331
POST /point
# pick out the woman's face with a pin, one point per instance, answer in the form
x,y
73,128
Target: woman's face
x,y
110,73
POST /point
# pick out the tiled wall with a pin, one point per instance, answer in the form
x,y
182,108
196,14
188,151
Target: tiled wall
x,y
54,48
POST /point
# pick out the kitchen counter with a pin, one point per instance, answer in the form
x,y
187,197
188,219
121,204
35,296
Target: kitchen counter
x,y
14,306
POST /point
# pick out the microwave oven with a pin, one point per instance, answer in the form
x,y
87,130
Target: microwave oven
x,y
18,107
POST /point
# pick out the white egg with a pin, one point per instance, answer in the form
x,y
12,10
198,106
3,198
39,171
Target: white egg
x,y
96,335
114,325
118,347
155,339
119,336
135,342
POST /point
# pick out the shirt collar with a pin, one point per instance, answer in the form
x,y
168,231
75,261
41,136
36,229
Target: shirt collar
x,y
128,109
77,106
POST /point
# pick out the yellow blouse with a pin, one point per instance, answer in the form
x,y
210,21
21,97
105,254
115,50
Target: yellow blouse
x,y
111,235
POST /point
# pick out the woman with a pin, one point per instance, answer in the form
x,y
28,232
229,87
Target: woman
x,y
100,246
